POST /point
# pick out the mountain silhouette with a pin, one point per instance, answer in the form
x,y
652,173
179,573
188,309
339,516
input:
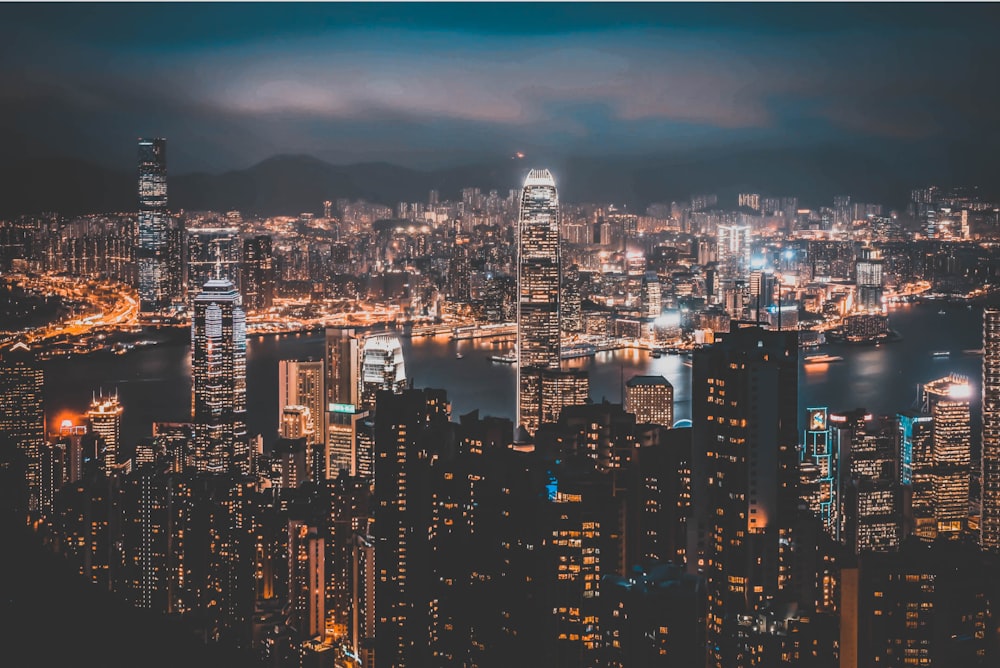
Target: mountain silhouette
x,y
293,184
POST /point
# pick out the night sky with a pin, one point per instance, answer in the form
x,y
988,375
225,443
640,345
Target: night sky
x,y
432,85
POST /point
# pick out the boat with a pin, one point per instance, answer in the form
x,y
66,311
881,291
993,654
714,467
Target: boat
x,y
509,358
942,312
822,359
459,356
941,353
655,353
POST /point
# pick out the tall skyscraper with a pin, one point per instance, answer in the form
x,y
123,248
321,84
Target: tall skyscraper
x,y
343,367
382,367
990,522
538,289
947,401
152,247
733,251
211,252
651,400
744,412
820,456
218,369
258,273
105,415
22,414
868,277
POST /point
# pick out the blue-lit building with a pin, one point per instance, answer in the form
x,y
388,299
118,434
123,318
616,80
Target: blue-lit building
x,y
819,462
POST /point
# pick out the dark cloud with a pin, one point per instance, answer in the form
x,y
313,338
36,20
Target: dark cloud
x,y
232,83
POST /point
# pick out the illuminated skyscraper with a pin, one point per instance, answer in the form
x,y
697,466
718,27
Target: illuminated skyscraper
x,y
22,413
651,400
916,469
258,273
152,247
733,251
211,252
218,366
821,452
744,410
868,277
105,415
343,359
946,400
990,522
382,367
538,289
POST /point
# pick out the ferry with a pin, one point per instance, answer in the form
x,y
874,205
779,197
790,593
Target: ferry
x,y
942,312
822,359
941,353
459,356
509,358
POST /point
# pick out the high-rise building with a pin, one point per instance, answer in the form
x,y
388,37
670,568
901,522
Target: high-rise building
x,y
105,415
733,251
258,273
300,383
212,252
990,522
343,367
218,369
868,277
946,400
152,247
538,288
650,399
821,452
545,392
744,476
916,470
382,367
22,414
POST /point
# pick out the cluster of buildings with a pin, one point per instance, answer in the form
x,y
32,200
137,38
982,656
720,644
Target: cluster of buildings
x,y
378,529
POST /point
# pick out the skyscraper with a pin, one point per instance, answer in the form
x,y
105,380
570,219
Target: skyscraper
x,y
650,399
744,411
868,277
258,273
22,414
538,288
300,383
990,522
105,415
151,251
343,358
382,367
218,361
947,401
211,252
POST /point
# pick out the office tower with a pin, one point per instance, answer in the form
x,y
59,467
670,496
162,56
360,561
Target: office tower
x,y
570,313
649,295
382,367
946,400
212,252
733,251
650,399
916,470
343,360
258,273
545,392
408,426
990,523
868,278
152,249
872,494
821,453
300,383
346,440
538,288
744,413
22,415
218,370
105,415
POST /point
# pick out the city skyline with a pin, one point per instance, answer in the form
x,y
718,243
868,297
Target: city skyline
x,y
634,335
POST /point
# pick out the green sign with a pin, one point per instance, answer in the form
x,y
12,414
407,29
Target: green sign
x,y
341,408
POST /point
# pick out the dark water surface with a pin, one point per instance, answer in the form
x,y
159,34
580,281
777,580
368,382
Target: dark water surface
x,y
154,383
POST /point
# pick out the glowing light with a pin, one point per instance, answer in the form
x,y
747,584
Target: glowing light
x,y
960,391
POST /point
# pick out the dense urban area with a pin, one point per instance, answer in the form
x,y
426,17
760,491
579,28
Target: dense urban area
x,y
375,528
